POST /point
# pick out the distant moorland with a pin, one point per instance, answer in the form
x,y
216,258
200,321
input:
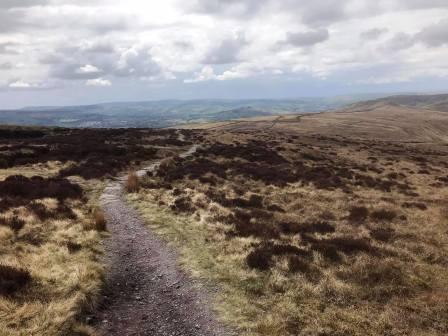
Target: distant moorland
x,y
165,113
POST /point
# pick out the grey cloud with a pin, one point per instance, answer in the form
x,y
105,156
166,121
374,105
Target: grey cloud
x,y
137,62
316,13
435,35
227,51
227,7
11,20
101,47
323,12
6,66
373,34
8,4
8,48
184,45
312,13
399,42
52,58
307,39
422,4
21,3
75,18
432,36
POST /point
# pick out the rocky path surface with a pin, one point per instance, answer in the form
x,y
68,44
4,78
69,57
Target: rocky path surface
x,y
145,292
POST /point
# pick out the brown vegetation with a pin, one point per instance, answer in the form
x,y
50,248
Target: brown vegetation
x,y
309,234
49,268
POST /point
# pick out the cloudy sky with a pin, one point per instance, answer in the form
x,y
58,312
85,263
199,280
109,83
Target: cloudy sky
x,y
55,52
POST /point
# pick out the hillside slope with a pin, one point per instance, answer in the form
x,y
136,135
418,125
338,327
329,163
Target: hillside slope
x,y
372,121
437,102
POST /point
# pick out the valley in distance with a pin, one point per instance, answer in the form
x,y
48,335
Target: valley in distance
x,y
226,218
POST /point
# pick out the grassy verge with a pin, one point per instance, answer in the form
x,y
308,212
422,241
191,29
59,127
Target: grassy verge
x,y
57,248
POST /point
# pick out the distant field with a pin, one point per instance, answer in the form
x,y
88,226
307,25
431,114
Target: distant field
x,y
157,114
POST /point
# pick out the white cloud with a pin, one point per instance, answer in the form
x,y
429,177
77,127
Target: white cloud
x,y
88,68
20,85
29,85
98,82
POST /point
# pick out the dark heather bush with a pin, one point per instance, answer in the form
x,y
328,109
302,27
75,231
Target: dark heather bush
x,y
183,204
15,223
73,247
358,214
258,259
383,215
313,227
261,257
37,187
350,245
298,265
417,205
40,211
383,234
20,134
12,279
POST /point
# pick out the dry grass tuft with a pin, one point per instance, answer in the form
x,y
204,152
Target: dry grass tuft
x,y
132,182
99,219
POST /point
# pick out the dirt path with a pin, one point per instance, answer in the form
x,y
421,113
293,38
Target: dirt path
x,y
146,293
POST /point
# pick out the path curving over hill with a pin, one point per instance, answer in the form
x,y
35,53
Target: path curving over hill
x,y
145,292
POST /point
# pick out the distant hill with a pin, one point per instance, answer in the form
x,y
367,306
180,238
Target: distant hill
x,y
164,113
437,102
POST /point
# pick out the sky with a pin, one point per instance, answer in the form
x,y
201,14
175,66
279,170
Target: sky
x,y
72,52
